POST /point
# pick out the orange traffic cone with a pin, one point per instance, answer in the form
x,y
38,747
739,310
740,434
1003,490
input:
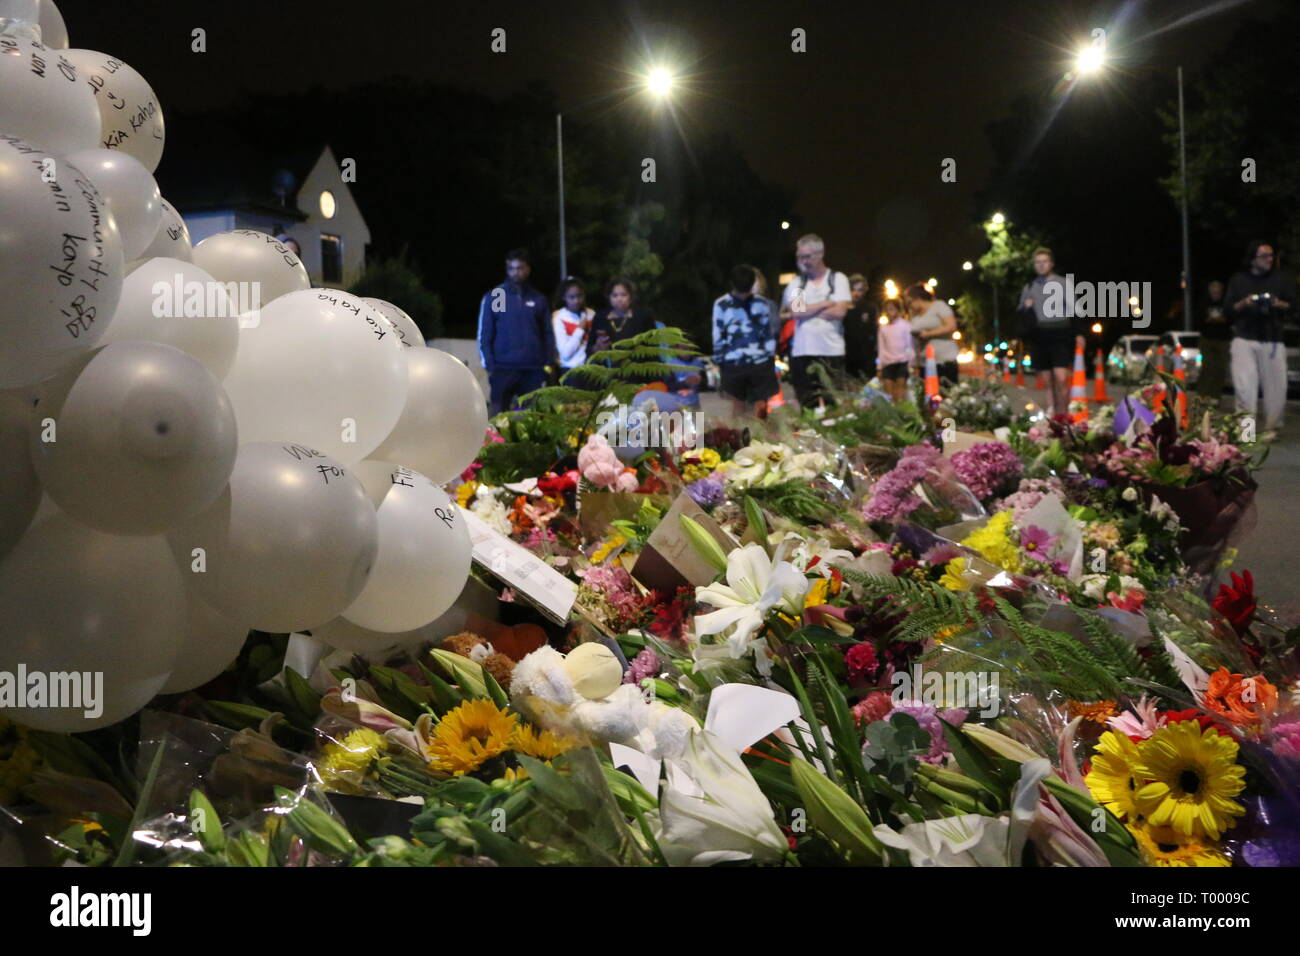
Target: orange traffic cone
x,y
1079,387
1020,374
931,375
1180,376
776,401
1006,371
1160,357
1099,381
1040,382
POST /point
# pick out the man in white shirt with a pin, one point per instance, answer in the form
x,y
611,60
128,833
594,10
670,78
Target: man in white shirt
x,y
817,302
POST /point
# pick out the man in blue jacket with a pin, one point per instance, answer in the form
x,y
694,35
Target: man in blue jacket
x,y
515,338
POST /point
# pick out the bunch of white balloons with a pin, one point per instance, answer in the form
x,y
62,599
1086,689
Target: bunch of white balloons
x,y
193,441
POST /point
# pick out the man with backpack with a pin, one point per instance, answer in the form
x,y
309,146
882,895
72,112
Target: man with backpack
x,y
817,302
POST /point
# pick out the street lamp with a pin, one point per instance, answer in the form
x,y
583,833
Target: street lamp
x,y
1091,59
785,224
967,266
998,219
659,83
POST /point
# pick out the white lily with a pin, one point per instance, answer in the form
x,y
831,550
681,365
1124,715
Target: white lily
x,y
972,839
807,550
712,811
755,586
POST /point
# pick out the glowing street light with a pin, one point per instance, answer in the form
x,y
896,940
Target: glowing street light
x,y
659,82
967,266
998,219
931,282
891,290
785,224
1096,328
1090,59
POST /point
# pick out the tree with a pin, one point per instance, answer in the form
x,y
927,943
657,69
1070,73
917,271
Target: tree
x,y
393,280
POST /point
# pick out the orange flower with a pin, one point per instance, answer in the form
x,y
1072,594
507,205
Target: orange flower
x,y
1243,700
1098,713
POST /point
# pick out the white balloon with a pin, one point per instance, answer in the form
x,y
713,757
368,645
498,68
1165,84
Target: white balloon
x,y
130,191
321,368
144,438
45,101
288,545
74,599
172,238
20,491
130,118
444,421
424,551
408,333
210,642
54,34
177,303
342,634
246,255
60,262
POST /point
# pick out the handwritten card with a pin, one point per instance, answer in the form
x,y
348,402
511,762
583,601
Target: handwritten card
x,y
525,572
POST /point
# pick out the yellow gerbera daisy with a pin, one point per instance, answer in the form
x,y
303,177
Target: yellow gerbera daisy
x,y
1193,776
1161,846
469,735
1111,778
542,745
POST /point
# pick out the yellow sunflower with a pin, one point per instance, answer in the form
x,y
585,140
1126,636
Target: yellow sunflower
x,y
542,745
469,735
1111,778
1193,776
1161,846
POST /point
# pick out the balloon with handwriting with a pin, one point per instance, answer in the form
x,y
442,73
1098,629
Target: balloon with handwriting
x,y
444,420
60,262
44,100
321,368
130,118
261,260
408,333
171,240
424,551
177,303
209,642
288,545
21,488
130,191
143,439
104,611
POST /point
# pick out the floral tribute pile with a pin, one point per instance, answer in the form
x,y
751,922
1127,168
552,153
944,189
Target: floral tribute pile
x,y
918,643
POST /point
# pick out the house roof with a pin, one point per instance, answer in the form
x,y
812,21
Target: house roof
x,y
209,165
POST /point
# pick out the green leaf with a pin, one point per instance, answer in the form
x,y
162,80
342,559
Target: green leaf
x,y
248,849
464,672
757,523
976,765
495,691
301,693
498,847
237,716
209,831
836,815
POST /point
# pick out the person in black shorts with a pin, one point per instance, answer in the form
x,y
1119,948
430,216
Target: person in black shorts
x,y
1052,337
744,344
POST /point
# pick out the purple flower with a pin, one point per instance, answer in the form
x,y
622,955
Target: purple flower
x,y
929,718
892,498
988,467
645,664
708,492
1036,541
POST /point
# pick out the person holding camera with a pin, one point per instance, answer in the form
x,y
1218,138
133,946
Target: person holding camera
x,y
1260,300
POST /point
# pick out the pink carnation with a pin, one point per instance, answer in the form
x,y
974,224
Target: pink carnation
x,y
598,463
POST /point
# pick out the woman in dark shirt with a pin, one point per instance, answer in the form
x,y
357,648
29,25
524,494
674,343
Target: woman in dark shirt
x,y
622,319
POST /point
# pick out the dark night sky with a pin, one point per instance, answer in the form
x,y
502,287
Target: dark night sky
x,y
857,126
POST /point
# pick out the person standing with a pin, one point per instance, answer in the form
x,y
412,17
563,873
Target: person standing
x,y
515,338
817,301
623,318
933,323
1049,331
894,346
860,326
571,323
1215,338
744,344
1259,300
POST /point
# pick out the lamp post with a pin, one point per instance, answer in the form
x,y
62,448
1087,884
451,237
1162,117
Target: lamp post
x,y
1091,59
659,83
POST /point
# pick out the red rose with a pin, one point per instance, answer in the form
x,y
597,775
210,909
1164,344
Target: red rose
x,y
1237,603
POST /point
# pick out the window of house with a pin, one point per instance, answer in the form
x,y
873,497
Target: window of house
x,y
331,258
